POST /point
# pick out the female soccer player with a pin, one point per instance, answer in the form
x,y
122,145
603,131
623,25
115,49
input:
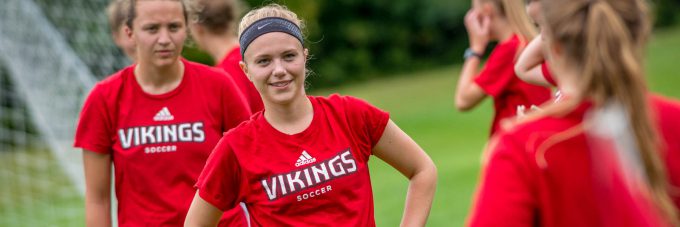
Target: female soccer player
x,y
303,160
215,32
156,121
504,21
608,153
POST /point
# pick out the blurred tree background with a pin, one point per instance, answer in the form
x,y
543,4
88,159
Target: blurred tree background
x,y
354,40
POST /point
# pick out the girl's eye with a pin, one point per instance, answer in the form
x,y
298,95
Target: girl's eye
x,y
289,57
262,61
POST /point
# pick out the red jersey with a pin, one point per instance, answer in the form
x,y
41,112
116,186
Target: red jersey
x,y
547,74
541,174
159,143
230,63
318,177
499,81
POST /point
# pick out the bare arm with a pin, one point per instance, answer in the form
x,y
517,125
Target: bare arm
x,y
401,152
201,213
97,188
528,65
469,94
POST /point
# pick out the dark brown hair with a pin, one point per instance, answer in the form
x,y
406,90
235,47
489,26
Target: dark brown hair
x,y
219,16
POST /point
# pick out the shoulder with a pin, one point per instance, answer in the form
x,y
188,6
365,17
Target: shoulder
x,y
507,47
340,101
246,131
665,112
664,105
203,70
111,85
207,75
530,135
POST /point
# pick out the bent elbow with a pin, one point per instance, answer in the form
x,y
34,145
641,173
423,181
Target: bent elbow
x,y
521,72
462,105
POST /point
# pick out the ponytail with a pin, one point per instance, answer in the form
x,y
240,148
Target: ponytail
x,y
605,39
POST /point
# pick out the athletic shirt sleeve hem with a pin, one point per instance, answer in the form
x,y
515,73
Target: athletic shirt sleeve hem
x,y
499,71
219,181
92,132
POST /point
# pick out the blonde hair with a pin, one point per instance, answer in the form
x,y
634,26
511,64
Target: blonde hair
x,y
605,40
117,14
271,10
515,13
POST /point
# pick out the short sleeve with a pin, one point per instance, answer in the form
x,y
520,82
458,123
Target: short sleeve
x,y
499,69
236,109
369,121
94,130
505,196
218,183
547,75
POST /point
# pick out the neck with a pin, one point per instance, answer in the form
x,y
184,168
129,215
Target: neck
x,y
155,80
291,118
220,46
501,29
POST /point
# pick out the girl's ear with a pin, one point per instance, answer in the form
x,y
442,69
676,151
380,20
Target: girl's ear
x,y
244,68
128,31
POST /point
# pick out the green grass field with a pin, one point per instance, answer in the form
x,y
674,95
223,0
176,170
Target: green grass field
x,y
422,105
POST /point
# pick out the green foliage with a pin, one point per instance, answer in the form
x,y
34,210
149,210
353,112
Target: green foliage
x,y
421,104
666,12
353,40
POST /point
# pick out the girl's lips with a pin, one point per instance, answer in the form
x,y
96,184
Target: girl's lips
x,y
164,53
281,84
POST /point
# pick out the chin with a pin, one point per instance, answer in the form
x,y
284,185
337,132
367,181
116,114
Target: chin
x,y
285,98
165,62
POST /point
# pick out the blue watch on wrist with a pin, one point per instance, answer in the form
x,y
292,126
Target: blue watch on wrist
x,y
471,53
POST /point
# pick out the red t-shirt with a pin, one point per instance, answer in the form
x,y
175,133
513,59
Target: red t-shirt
x,y
547,74
159,143
230,63
541,174
499,81
318,177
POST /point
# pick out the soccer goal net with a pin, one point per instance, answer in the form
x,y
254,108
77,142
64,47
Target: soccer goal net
x,y
51,54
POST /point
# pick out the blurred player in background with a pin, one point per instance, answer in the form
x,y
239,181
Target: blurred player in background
x,y
608,154
504,21
117,12
156,121
215,32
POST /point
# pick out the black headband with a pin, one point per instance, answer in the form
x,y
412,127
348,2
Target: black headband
x,y
267,25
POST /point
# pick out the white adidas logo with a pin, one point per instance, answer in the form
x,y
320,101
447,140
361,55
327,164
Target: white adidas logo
x,y
304,159
163,115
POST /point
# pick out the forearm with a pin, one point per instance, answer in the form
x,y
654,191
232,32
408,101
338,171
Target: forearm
x,y
97,212
528,65
531,57
201,213
465,81
419,197
97,168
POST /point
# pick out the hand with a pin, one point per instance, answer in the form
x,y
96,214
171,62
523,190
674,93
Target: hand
x,y
478,27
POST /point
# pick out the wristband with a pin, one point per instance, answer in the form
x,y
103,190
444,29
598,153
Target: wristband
x,y
471,53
